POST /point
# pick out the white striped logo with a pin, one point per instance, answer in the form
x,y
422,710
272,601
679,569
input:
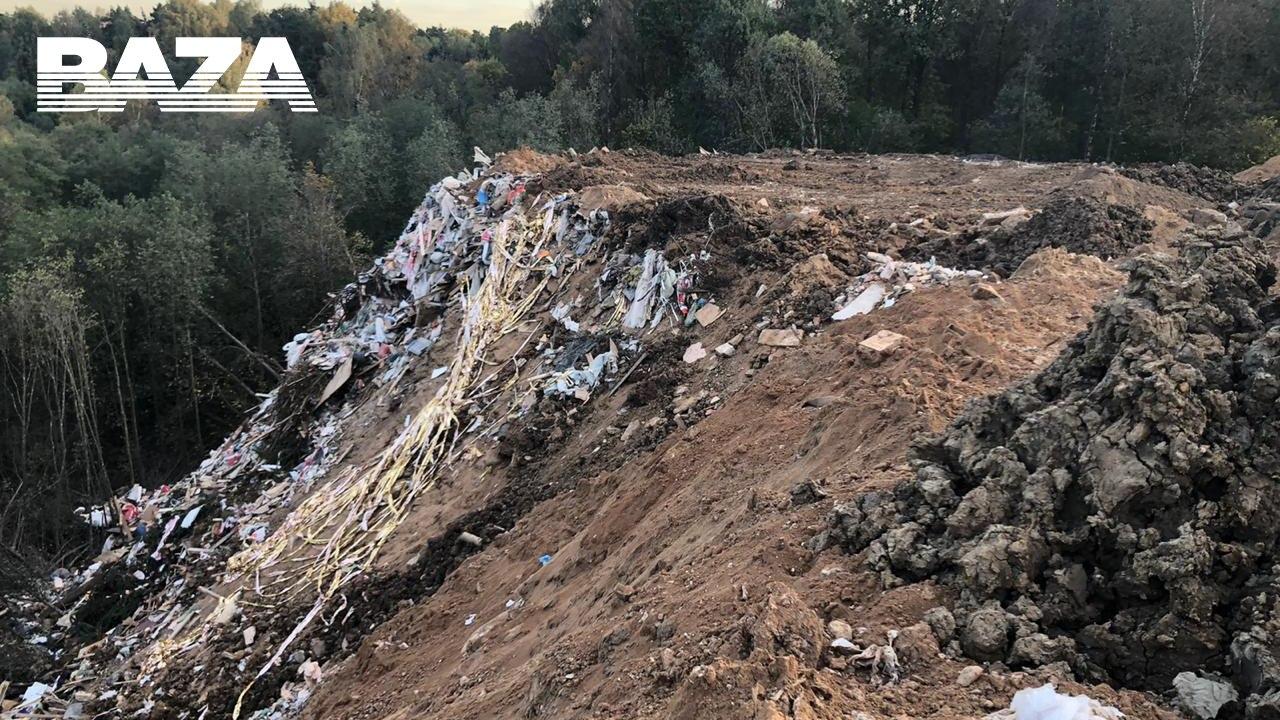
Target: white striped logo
x,y
71,76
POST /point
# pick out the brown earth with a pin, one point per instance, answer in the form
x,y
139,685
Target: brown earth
x,y
1261,172
678,506
680,583
689,555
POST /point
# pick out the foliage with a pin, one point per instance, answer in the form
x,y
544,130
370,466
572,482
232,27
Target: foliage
x,y
151,264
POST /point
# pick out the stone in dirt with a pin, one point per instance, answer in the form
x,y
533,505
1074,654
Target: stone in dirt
x,y
883,342
840,629
984,291
1007,218
1206,217
1120,505
1201,696
807,492
969,675
694,353
781,338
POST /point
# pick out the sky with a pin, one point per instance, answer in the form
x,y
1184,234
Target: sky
x,y
468,14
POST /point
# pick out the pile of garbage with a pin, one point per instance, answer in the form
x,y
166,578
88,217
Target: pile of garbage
x,y
466,270
1114,515
890,279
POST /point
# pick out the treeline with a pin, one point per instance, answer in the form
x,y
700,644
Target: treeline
x,y
152,265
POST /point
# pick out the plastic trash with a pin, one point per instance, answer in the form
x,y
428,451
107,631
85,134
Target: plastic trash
x,y
34,692
1046,703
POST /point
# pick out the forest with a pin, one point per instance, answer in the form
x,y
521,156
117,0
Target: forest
x,y
151,266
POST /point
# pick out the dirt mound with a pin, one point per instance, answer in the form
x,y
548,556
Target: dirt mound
x,y
1080,225
1257,173
608,197
1114,513
1215,185
526,161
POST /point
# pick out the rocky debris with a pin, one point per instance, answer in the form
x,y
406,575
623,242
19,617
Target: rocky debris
x,y
1118,506
883,342
708,314
1208,183
807,492
1261,218
986,291
1203,697
969,675
1270,190
790,337
1207,217
694,353
1077,224
1007,219
840,630
942,622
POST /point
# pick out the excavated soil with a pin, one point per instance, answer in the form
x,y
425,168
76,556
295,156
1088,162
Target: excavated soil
x,y
1217,186
676,546
1074,223
681,581
1114,513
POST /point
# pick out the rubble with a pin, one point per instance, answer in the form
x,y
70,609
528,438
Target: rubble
x,y
891,279
780,338
883,342
969,675
1203,182
1203,697
1075,223
1111,508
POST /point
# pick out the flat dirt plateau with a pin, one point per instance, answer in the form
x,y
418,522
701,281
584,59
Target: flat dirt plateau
x,y
1034,444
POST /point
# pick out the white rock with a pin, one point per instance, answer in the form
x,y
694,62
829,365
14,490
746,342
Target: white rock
x,y
866,301
1202,697
780,338
969,675
840,629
